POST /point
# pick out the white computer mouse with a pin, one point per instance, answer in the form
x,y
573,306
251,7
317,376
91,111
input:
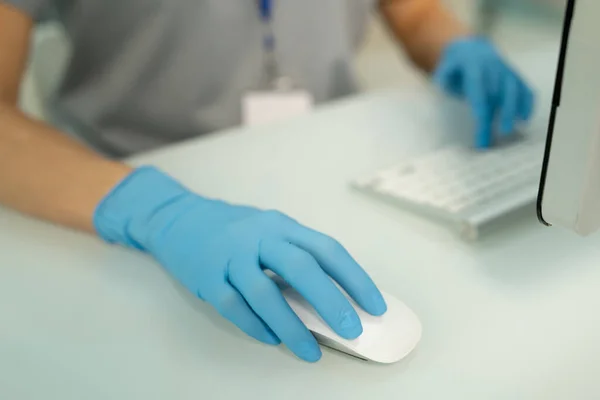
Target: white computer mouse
x,y
386,339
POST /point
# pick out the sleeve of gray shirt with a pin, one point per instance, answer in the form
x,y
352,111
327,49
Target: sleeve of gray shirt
x,y
34,8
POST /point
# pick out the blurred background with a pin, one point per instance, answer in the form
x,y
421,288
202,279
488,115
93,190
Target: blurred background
x,y
515,25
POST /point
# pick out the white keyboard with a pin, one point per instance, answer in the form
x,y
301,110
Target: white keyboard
x,y
461,185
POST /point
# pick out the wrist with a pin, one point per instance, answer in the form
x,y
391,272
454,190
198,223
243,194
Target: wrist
x,y
131,211
457,45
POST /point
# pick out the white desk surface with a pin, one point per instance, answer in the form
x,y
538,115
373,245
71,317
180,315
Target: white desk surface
x,y
513,317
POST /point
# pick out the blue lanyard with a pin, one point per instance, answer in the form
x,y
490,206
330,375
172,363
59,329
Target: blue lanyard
x,y
266,10
271,64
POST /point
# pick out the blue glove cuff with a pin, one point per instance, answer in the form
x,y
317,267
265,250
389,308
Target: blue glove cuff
x,y
469,39
126,214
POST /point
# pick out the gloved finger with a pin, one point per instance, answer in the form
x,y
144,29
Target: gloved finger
x,y
303,273
232,306
481,108
448,77
493,77
267,301
335,260
526,103
511,98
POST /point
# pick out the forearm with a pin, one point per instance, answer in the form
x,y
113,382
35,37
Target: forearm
x,y
423,28
45,174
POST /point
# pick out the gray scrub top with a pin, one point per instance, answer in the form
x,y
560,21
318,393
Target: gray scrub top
x,y
146,73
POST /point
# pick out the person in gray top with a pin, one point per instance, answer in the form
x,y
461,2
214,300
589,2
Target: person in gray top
x,y
146,73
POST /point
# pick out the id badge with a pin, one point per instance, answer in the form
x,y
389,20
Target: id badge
x,y
265,107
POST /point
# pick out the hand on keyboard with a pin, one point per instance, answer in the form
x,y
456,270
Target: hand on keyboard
x,y
472,69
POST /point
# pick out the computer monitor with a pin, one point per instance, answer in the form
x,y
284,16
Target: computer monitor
x,y
569,193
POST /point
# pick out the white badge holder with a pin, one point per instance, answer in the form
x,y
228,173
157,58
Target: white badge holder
x,y
265,107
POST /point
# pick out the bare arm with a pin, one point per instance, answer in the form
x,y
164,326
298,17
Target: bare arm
x,y
43,173
423,27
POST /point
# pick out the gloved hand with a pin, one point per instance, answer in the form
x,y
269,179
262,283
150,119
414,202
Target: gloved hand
x,y
471,68
219,252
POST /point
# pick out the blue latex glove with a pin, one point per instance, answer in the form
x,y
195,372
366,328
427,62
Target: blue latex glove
x,y
219,253
472,69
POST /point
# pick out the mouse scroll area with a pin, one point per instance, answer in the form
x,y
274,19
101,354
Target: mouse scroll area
x,y
385,339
